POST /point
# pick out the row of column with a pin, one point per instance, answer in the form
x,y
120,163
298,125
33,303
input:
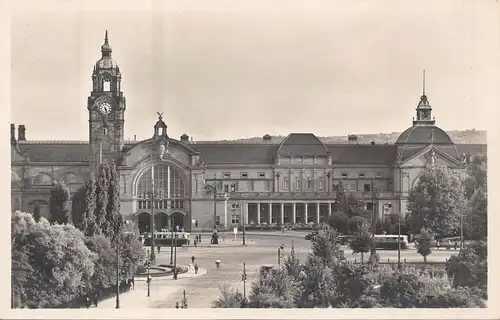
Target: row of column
x,y
282,211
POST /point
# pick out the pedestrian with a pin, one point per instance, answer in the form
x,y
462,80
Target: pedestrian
x,y
196,241
199,237
223,237
132,282
449,245
192,259
96,299
159,249
87,301
437,245
456,245
196,268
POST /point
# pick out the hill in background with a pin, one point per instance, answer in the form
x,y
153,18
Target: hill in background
x,y
458,136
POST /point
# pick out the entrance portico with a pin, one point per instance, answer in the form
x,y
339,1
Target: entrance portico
x,y
280,212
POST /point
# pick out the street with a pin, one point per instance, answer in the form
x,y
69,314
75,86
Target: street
x,y
202,290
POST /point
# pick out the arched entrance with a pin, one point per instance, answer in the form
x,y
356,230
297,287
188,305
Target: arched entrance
x,y
178,219
161,221
143,220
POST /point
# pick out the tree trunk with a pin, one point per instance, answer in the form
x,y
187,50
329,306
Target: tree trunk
x,y
425,259
362,257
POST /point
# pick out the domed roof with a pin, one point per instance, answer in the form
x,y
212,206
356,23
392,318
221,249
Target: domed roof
x,y
106,63
423,134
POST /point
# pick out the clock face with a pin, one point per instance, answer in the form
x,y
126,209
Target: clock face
x,y
105,108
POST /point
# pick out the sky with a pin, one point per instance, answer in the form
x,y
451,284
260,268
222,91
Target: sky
x,y
239,69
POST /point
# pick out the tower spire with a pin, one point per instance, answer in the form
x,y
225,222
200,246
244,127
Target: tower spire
x,y
106,48
106,38
423,79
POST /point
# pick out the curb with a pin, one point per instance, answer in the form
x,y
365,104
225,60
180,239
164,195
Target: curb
x,y
224,245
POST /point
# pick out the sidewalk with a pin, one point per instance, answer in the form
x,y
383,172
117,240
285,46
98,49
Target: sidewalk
x,y
222,244
189,274
159,292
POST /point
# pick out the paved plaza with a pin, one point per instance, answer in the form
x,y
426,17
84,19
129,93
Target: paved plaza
x,y
201,290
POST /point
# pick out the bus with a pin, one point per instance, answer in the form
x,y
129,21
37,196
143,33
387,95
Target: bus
x,y
390,241
164,238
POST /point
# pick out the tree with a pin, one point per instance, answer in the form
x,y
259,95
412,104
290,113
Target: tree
x,y
477,174
476,224
340,197
36,212
362,241
438,201
131,252
102,199
59,203
78,200
104,263
113,215
339,221
402,290
470,267
325,246
425,243
356,222
229,298
89,221
51,262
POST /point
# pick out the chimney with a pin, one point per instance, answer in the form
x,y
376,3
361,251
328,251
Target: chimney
x,y
185,138
352,138
21,132
135,137
12,134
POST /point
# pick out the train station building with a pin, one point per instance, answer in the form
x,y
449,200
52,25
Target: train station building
x,y
273,181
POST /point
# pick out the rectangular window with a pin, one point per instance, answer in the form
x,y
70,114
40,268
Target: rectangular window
x,y
235,218
344,175
285,183
369,206
388,208
226,188
226,175
233,188
309,184
378,174
362,175
367,187
320,183
235,205
106,86
244,175
250,185
217,220
268,185
262,175
297,184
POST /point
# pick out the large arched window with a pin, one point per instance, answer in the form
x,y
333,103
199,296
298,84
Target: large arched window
x,y
42,178
168,181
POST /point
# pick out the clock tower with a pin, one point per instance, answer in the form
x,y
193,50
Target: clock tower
x,y
106,105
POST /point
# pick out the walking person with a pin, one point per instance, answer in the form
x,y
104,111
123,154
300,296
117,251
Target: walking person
x,y
437,245
87,301
133,282
192,259
196,268
199,237
159,247
456,245
196,241
449,245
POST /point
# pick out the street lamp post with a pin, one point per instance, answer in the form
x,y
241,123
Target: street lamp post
x,y
172,240
244,218
118,264
175,254
399,242
154,196
148,280
244,279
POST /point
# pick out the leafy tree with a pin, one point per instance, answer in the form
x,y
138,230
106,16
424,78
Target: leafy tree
x,y
340,197
36,212
59,203
102,199
477,174
339,221
476,224
319,288
229,298
470,267
113,215
356,222
325,246
131,252
403,290
51,262
362,241
89,221
104,263
374,258
353,281
425,243
78,199
438,200
460,297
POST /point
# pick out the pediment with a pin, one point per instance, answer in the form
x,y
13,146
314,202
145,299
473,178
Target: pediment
x,y
430,155
163,149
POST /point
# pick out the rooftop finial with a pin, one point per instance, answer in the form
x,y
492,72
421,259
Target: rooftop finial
x,y
423,85
160,114
106,37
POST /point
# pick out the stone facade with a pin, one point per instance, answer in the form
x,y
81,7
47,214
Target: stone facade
x,y
266,182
